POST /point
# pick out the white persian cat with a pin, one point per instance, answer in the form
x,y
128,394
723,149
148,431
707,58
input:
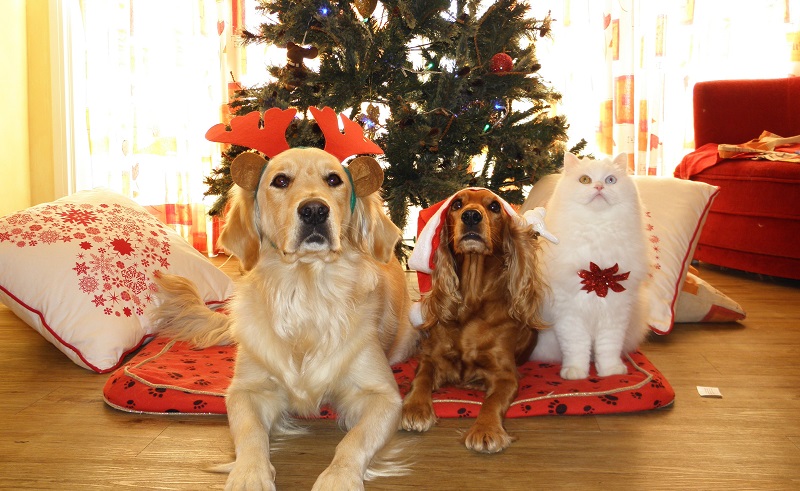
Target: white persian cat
x,y
596,272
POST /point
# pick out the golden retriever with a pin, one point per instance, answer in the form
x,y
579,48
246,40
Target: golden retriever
x,y
318,318
481,315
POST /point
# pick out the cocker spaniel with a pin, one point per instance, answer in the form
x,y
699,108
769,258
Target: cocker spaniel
x,y
481,315
318,318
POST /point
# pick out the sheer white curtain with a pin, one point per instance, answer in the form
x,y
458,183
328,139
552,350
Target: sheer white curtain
x,y
149,78
626,68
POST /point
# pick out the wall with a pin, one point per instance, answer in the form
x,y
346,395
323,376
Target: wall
x,y
40,110
15,187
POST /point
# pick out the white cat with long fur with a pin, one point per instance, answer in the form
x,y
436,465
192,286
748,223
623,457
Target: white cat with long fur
x,y
597,271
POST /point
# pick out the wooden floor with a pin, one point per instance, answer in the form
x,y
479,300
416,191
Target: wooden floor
x,y
56,432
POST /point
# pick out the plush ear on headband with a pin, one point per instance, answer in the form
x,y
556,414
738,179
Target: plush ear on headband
x,y
367,175
246,170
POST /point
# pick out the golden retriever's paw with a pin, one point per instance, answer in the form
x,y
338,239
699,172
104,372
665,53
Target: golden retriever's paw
x,y
615,368
252,477
574,373
339,479
417,417
485,439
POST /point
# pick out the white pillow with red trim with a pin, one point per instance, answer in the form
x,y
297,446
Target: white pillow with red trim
x,y
676,210
701,302
79,270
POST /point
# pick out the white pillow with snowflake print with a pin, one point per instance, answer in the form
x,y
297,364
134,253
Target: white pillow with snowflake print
x,y
80,270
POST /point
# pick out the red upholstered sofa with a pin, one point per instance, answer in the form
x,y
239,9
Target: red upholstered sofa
x,y
754,224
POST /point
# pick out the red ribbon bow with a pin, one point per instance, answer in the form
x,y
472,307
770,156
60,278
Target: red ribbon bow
x,y
600,280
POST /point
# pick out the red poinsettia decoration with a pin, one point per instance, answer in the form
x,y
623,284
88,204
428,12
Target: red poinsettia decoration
x,y
600,280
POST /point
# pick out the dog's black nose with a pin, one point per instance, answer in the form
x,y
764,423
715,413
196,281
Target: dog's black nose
x,y
471,217
313,212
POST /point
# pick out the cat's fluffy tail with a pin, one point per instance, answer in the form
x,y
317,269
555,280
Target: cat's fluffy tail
x,y
182,314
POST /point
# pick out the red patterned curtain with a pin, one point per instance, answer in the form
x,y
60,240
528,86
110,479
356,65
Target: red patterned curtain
x,y
626,68
154,77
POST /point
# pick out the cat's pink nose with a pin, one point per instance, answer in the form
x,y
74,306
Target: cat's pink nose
x,y
598,187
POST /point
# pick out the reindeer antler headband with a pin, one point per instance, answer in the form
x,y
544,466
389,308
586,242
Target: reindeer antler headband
x,y
365,173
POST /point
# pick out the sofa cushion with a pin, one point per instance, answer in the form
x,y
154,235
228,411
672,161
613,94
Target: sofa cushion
x,y
754,224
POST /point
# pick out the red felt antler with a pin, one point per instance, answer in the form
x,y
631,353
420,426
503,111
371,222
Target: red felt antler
x,y
245,131
342,145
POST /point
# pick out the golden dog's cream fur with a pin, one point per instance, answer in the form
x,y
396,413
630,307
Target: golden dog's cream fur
x,y
318,318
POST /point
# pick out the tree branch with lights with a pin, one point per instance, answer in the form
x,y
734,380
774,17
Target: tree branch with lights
x,y
449,90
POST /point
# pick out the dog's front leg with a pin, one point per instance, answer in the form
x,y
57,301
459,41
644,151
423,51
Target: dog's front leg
x,y
252,411
418,412
372,414
487,434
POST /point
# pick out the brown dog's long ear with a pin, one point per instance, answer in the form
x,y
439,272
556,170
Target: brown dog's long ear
x,y
246,170
525,282
367,175
443,301
239,236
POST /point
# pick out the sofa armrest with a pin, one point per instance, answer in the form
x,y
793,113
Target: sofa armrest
x,y
735,111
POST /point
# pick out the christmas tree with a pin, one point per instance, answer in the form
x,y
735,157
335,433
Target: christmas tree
x,y
448,89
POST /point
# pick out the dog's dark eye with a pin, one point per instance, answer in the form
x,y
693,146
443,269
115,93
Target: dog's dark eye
x,y
456,205
333,180
494,207
280,181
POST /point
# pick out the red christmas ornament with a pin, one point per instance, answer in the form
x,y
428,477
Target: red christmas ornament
x,y
600,280
501,62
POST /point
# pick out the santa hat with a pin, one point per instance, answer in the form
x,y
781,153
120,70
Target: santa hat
x,y
421,258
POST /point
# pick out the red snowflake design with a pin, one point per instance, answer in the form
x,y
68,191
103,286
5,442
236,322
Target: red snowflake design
x,y
108,241
655,242
601,280
79,217
49,236
88,284
122,246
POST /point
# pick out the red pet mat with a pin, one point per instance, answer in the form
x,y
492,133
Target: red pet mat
x,y
168,377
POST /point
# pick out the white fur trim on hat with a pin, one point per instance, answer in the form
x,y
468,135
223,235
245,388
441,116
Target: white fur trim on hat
x,y
415,314
421,258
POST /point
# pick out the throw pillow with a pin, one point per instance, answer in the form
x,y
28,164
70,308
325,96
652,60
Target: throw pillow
x,y
79,270
701,302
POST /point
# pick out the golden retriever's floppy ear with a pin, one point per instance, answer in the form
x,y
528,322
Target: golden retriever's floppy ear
x,y
525,283
444,300
239,236
371,230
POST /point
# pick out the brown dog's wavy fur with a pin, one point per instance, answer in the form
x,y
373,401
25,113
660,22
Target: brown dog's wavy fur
x,y
481,316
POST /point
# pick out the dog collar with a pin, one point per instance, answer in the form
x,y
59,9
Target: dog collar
x,y
352,189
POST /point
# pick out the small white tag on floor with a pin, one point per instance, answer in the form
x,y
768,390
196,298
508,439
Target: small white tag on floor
x,y
709,392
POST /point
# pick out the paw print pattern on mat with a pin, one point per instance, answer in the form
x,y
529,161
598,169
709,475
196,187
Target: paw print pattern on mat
x,y
157,380
556,407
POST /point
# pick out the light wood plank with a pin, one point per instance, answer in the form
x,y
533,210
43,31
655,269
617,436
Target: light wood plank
x,y
56,432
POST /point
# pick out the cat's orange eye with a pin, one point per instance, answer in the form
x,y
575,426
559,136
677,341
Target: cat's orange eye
x,y
584,179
